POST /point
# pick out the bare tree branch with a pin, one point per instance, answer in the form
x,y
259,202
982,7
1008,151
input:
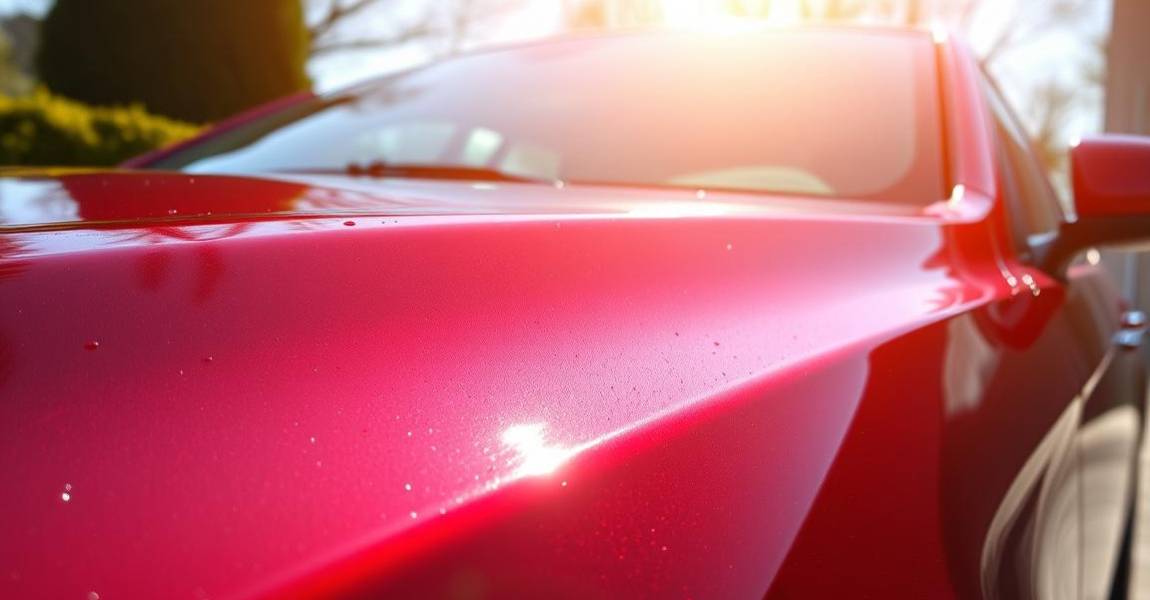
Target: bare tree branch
x,y
409,33
1029,19
338,12
451,22
467,14
1054,103
1094,69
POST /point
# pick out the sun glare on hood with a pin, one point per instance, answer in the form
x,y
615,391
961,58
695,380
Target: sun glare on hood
x,y
536,457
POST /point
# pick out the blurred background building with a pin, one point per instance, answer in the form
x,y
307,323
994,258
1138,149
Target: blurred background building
x,y
1128,83
1128,111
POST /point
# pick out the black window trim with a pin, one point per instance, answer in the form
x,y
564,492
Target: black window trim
x,y
1029,243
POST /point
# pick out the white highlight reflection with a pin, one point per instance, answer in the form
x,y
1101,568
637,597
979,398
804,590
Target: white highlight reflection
x,y
536,456
672,210
956,195
1093,257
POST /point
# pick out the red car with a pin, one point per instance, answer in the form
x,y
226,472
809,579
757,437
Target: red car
x,y
711,315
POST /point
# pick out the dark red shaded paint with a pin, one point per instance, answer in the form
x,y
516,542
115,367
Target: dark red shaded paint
x,y
1110,176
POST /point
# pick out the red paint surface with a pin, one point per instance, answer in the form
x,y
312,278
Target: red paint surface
x,y
1111,175
967,122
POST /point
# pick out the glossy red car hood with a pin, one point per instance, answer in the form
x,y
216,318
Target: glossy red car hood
x,y
213,385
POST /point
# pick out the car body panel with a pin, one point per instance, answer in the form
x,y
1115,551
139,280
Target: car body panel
x,y
407,349
965,119
281,385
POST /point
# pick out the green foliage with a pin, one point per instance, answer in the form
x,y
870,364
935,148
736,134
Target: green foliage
x,y
198,61
42,129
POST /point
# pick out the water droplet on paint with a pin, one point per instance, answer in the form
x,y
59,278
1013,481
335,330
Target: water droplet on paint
x,y
407,487
91,345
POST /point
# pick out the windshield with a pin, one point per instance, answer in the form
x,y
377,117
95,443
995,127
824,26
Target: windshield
x,y
847,115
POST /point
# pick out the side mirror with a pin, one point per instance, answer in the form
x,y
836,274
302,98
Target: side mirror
x,y
1110,175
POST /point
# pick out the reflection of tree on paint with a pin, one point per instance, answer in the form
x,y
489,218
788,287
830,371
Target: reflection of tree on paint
x,y
156,209
120,197
10,265
125,198
153,266
5,360
113,198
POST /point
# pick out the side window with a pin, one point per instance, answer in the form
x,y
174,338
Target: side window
x,y
1033,205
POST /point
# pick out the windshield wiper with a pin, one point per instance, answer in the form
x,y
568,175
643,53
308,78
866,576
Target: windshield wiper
x,y
420,171
430,171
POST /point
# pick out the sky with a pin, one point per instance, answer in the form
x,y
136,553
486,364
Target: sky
x,y
1058,53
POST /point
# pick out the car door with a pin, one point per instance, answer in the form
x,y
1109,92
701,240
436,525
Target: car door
x,y
1058,529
